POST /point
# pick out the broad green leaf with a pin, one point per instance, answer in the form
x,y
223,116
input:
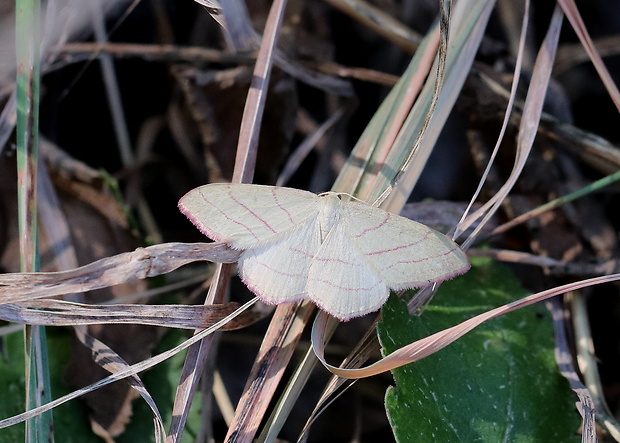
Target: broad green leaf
x,y
500,382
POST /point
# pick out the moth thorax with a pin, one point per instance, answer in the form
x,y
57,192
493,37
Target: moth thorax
x,y
329,214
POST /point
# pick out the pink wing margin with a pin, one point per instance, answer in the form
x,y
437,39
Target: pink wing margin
x,y
247,216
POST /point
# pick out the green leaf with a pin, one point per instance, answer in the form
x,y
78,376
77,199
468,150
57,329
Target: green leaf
x,y
13,384
500,382
70,424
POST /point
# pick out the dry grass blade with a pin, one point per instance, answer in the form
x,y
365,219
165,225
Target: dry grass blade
x,y
570,55
112,88
587,363
273,356
214,9
54,227
563,357
371,150
368,344
121,268
532,111
591,148
462,226
431,344
76,52
112,362
7,120
380,22
606,181
570,9
468,22
62,313
557,267
302,151
79,51
126,372
196,359
445,7
255,104
515,257
245,164
138,264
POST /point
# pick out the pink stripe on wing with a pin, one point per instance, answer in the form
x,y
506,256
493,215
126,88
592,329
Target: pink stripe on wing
x,y
345,288
430,257
232,220
415,243
275,199
374,228
267,225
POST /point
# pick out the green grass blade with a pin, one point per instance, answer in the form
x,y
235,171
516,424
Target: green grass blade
x,y
27,41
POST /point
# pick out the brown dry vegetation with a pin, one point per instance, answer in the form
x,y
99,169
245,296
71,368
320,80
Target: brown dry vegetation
x,y
177,87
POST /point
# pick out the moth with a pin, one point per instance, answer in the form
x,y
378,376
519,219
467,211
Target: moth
x,y
345,256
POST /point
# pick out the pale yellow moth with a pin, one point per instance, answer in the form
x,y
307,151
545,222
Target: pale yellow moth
x,y
345,256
